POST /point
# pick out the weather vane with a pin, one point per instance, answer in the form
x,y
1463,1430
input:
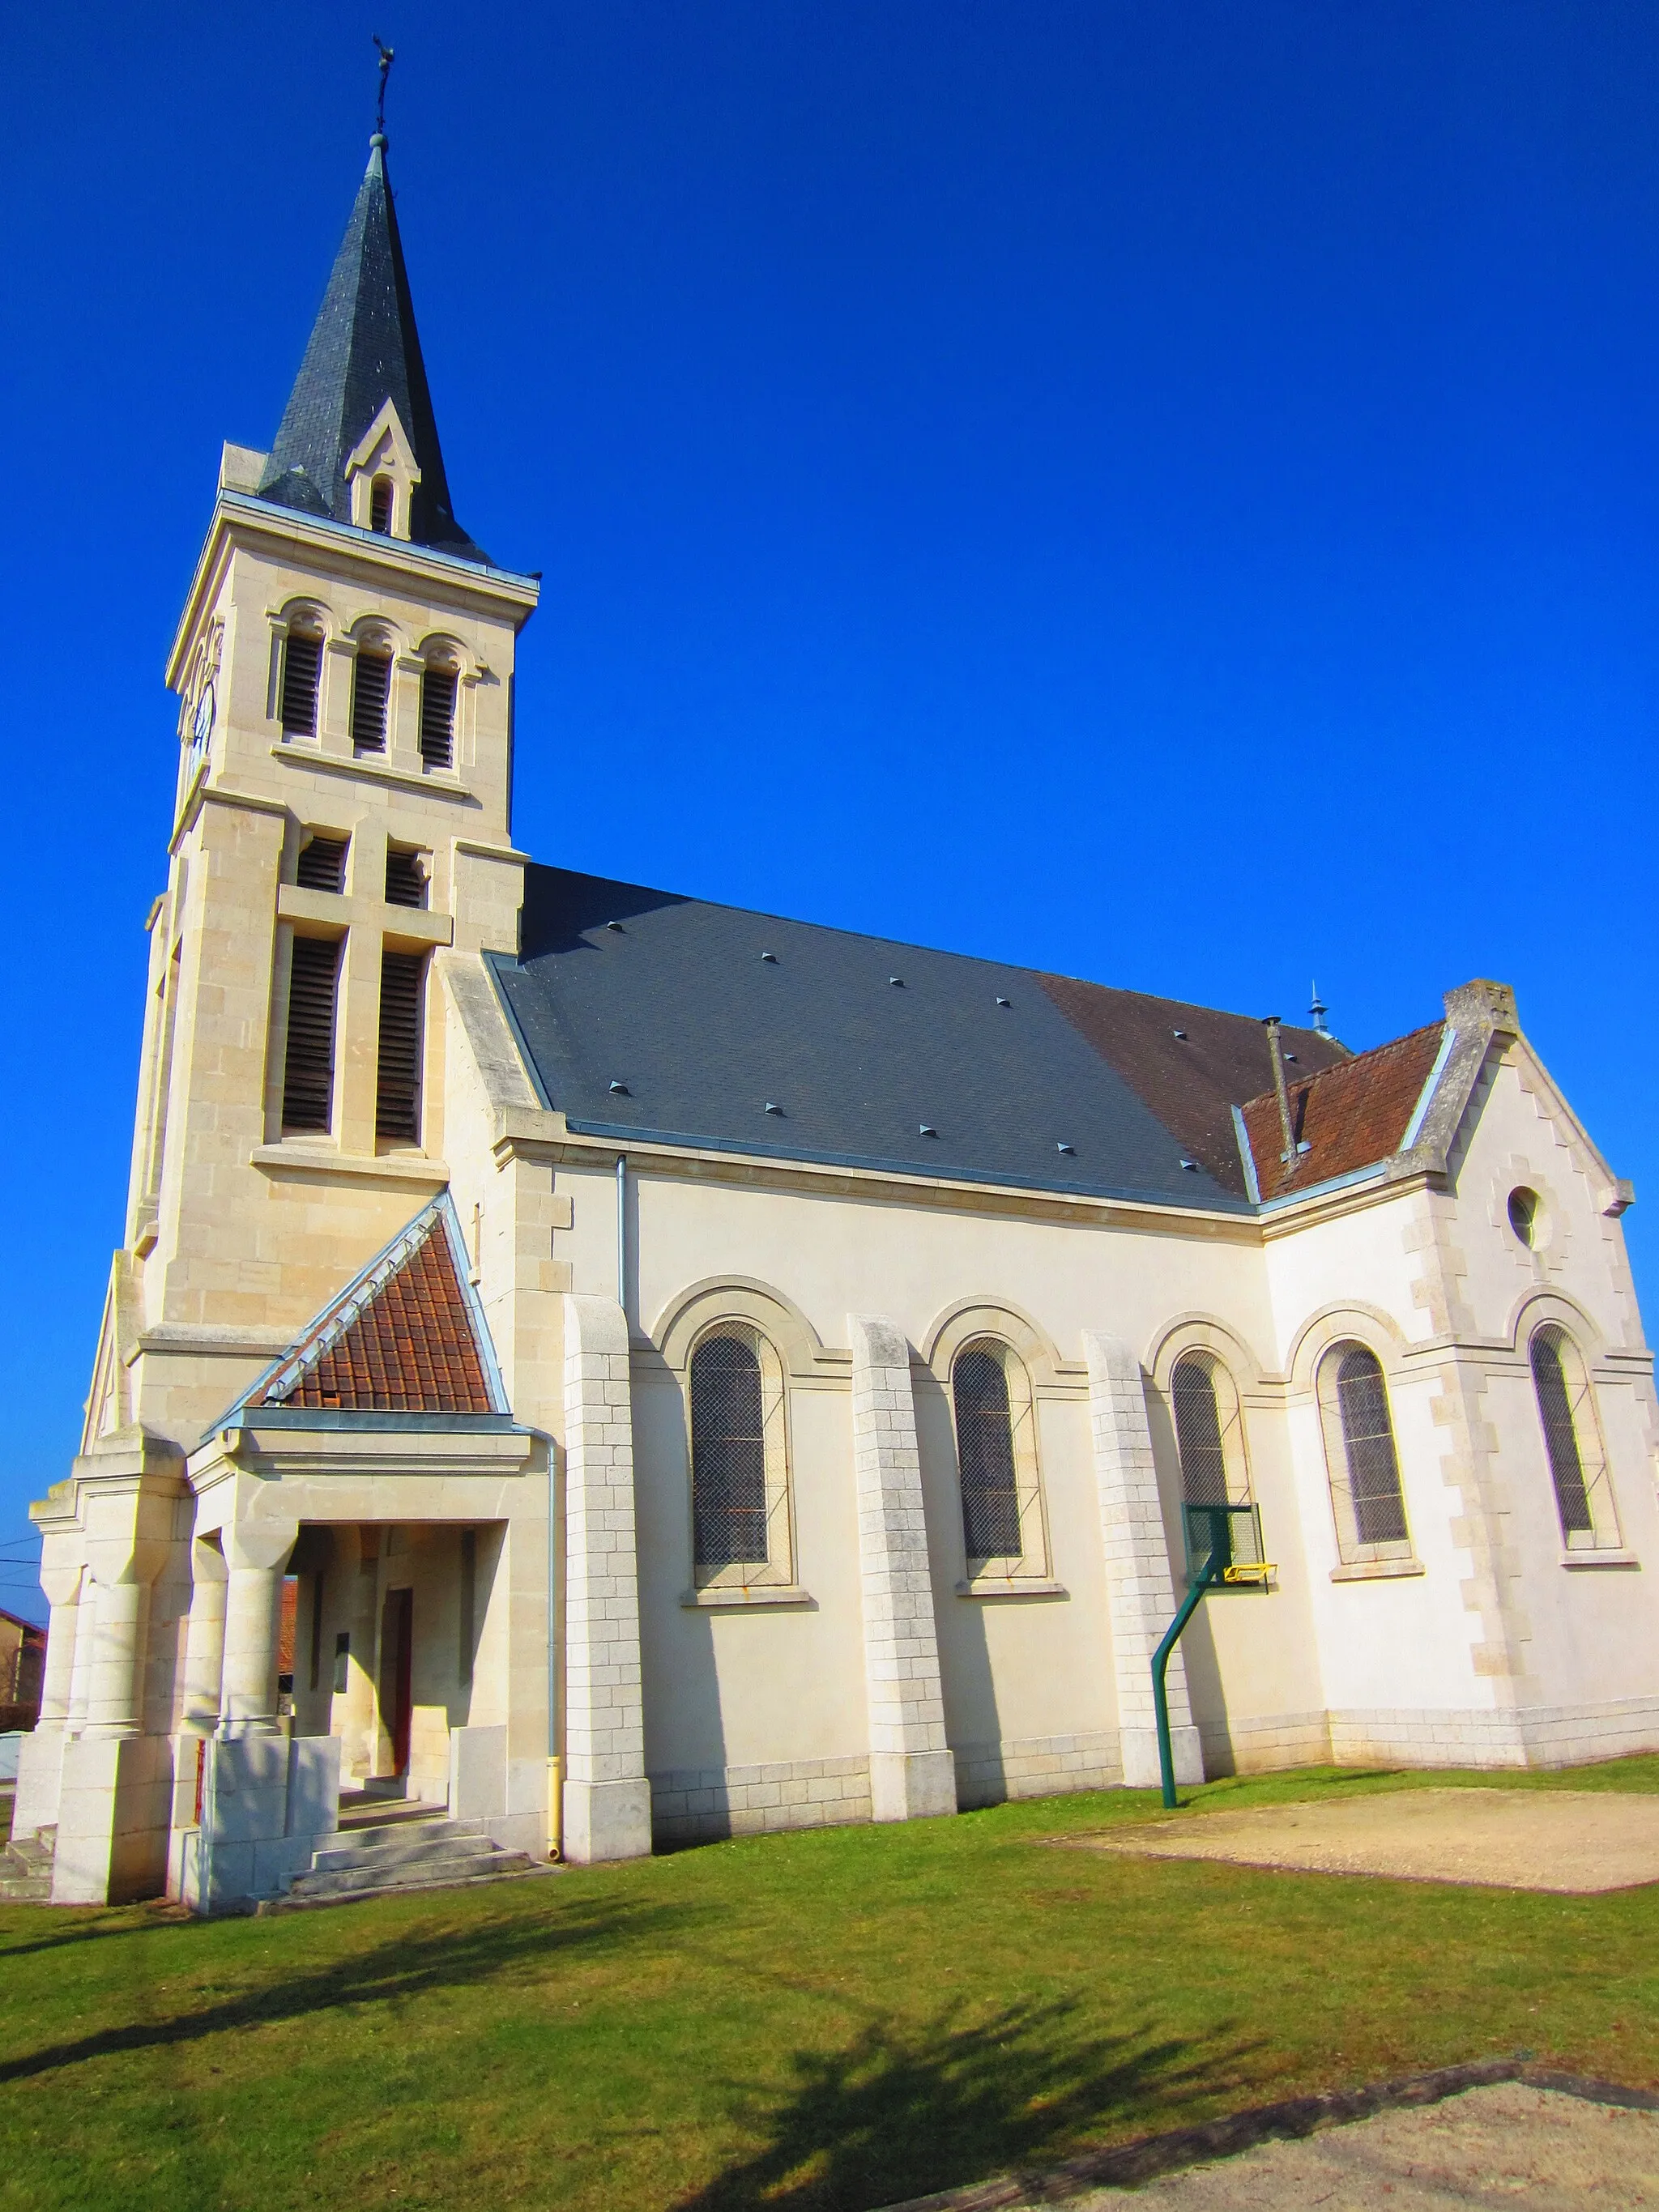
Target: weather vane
x,y
384,52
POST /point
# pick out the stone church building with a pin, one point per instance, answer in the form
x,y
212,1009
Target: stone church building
x,y
660,1371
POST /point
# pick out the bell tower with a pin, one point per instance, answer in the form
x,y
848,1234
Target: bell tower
x,y
344,817
342,829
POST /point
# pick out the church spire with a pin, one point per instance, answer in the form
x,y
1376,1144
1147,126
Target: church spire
x,y
364,350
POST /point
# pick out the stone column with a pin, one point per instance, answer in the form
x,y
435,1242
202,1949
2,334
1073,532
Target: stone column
x,y
257,1551
40,1755
607,1799
81,1660
204,1638
912,1773
60,1648
113,1691
1140,1590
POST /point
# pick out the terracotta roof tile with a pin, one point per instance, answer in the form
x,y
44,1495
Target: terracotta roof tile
x,y
1193,1080
1349,1115
407,1347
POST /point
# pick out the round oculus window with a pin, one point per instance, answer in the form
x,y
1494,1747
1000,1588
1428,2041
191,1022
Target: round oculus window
x,y
1524,1215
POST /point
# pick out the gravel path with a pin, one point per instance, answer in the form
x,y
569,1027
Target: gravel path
x,y
1532,2150
1570,1840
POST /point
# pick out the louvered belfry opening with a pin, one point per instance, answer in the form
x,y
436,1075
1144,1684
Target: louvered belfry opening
x,y
398,1094
308,1071
438,716
302,661
321,864
405,876
371,688
379,506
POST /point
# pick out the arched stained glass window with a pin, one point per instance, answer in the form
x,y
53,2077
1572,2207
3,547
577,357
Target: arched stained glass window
x,y
985,1454
728,1454
1578,1466
1360,1451
1379,1510
1198,1433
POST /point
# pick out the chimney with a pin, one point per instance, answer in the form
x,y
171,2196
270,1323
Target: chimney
x,y
1277,1054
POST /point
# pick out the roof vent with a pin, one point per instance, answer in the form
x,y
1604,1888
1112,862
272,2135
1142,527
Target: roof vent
x,y
1182,1034
928,1130
1065,1148
1005,1002
620,1089
616,925
897,982
1191,1166
771,1108
772,957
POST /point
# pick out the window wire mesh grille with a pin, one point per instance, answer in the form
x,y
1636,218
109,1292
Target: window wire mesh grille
x,y
985,1454
1561,1437
728,1454
371,688
308,1071
302,660
438,716
1198,1434
1379,1509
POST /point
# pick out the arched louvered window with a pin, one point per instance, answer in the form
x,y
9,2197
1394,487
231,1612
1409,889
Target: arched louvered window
x,y
371,691
438,715
1197,1432
302,665
380,506
984,1452
739,1465
1359,1449
1584,1497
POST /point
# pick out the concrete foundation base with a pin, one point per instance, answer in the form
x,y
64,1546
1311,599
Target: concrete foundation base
x,y
912,1786
114,1812
606,1821
1140,1754
40,1778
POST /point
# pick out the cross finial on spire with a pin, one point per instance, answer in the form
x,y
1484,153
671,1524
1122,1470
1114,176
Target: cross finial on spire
x,y
386,54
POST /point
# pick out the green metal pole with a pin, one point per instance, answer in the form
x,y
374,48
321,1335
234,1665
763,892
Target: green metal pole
x,y
1202,1581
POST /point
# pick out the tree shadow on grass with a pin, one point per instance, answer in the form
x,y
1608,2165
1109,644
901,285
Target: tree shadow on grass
x,y
907,2108
441,1954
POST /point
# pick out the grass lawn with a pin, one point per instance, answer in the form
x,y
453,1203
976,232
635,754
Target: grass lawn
x,y
825,2022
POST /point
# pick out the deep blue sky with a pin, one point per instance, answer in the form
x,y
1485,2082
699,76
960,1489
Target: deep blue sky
x,y
1162,492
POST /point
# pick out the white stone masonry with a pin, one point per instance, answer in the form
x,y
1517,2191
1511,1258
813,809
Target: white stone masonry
x,y
1139,1586
912,1773
607,1799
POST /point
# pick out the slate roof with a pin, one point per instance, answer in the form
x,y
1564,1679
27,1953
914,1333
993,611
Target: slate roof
x,y
364,349
1349,1116
405,1336
930,1074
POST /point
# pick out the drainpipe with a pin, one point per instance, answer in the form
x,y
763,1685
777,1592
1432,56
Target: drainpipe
x,y
555,1762
621,1232
1276,1053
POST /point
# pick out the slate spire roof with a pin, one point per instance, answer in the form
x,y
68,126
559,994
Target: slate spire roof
x,y
364,349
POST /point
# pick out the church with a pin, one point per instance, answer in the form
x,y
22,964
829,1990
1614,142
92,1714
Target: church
x,y
589,1370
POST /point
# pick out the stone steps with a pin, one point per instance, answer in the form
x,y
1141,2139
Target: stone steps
x,y
432,1853
25,1869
